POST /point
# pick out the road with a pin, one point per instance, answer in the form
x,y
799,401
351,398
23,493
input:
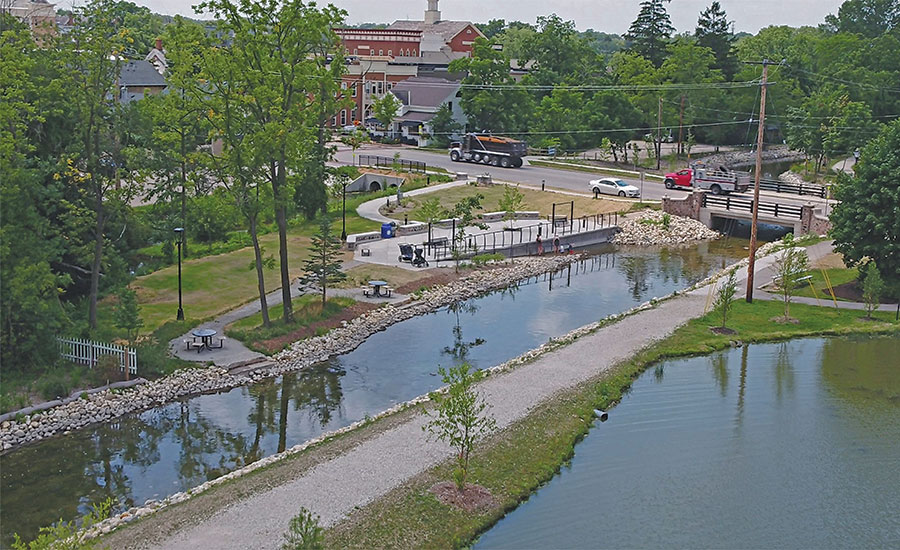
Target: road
x,y
558,178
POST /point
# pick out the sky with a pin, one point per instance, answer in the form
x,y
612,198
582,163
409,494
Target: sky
x,y
612,16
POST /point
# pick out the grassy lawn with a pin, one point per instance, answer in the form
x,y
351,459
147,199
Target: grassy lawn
x,y
360,275
515,462
541,201
837,276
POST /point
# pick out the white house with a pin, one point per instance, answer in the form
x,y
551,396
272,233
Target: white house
x,y
421,98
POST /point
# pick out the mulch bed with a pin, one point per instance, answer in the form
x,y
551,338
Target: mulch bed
x,y
442,277
849,291
276,344
722,330
473,498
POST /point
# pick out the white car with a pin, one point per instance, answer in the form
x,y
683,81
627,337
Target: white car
x,y
613,186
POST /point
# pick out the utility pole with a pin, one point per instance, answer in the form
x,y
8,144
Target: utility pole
x,y
681,127
759,145
659,134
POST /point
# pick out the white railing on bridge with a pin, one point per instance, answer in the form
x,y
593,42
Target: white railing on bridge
x,y
88,352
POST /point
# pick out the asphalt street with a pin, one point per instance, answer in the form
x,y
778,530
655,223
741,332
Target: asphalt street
x,y
559,178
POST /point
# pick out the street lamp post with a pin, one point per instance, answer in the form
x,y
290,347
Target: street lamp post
x,y
344,211
179,232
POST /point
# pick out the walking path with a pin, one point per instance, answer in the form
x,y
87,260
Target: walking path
x,y
336,487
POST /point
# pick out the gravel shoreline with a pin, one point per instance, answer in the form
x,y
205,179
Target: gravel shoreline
x,y
110,404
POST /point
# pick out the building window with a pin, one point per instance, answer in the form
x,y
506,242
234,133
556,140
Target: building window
x,y
343,117
334,121
380,52
353,115
353,88
343,85
380,88
414,53
390,52
450,105
407,52
468,31
355,51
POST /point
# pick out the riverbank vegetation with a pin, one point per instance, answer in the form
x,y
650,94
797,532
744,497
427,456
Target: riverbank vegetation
x,y
523,456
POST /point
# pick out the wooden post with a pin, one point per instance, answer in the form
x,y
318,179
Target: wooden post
x,y
659,134
751,263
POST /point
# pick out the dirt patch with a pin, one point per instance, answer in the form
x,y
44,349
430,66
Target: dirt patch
x,y
830,261
443,277
722,330
849,291
782,320
277,344
473,498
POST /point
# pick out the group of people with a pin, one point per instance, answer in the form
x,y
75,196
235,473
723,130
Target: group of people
x,y
557,248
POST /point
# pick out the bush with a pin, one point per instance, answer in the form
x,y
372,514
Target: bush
x,y
211,217
482,259
54,384
106,371
304,532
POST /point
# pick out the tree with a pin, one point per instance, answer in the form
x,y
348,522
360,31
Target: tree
x,y
650,32
869,18
459,417
464,212
865,221
304,532
275,51
511,201
492,28
789,267
385,109
444,126
725,296
354,140
714,32
873,288
323,265
128,314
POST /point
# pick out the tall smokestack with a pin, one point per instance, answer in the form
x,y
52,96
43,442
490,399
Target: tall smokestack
x,y
432,14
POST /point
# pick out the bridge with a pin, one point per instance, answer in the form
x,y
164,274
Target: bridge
x,y
709,209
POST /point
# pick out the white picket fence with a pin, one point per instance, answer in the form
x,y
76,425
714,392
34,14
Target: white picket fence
x,y
88,352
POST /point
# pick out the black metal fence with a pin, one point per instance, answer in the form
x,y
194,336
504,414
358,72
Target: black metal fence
x,y
810,189
774,209
392,163
539,236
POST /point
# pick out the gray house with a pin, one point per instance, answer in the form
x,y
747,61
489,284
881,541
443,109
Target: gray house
x,y
137,79
421,97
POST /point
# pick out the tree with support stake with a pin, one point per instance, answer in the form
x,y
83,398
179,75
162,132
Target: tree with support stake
x,y
323,266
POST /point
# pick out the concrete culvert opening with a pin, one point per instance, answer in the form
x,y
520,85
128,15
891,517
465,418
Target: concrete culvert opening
x,y
374,186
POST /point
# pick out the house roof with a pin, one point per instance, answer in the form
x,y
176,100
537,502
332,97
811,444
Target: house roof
x,y
446,29
414,118
423,91
140,73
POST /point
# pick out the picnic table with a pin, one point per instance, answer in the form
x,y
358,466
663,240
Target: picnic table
x,y
377,286
206,337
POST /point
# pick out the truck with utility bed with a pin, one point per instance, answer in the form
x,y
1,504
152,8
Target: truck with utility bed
x,y
489,149
718,182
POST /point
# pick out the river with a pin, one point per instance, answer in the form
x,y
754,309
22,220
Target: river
x,y
785,445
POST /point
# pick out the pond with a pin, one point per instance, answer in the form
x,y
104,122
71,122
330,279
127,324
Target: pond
x,y
180,445
787,445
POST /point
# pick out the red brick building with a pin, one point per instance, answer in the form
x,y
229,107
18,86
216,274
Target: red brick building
x,y
381,42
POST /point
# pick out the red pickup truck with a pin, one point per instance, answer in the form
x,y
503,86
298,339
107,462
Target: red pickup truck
x,y
716,181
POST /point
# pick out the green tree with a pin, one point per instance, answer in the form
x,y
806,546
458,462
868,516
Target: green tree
x,y
790,265
127,314
873,288
64,535
511,201
558,52
443,126
865,220
869,18
275,52
725,294
464,212
323,266
385,109
492,28
459,416
355,140
304,532
714,32
491,99
650,32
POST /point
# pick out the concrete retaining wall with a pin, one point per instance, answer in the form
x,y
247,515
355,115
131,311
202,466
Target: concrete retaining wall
x,y
412,229
575,240
354,240
688,207
366,182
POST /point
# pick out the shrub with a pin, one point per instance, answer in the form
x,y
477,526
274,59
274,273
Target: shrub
x,y
304,532
106,371
873,288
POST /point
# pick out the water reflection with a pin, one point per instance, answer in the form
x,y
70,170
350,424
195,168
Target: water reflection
x,y
178,446
718,363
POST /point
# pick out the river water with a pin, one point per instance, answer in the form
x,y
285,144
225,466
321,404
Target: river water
x,y
178,446
787,445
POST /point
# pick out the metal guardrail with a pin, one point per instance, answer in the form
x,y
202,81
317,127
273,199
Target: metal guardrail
x,y
388,162
774,209
484,243
810,189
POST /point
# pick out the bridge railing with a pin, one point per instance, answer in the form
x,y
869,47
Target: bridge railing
x,y
788,211
389,162
810,189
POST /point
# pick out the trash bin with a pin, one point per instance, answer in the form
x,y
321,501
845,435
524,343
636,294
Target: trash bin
x,y
387,230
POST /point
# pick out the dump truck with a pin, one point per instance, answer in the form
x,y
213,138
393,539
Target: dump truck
x,y
718,182
489,149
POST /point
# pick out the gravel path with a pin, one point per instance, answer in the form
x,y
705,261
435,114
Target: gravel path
x,y
336,487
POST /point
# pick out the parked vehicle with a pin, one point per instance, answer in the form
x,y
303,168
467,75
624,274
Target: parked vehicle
x,y
718,182
489,149
613,186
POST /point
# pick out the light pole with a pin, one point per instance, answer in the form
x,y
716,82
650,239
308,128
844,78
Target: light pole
x,y
179,232
343,211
